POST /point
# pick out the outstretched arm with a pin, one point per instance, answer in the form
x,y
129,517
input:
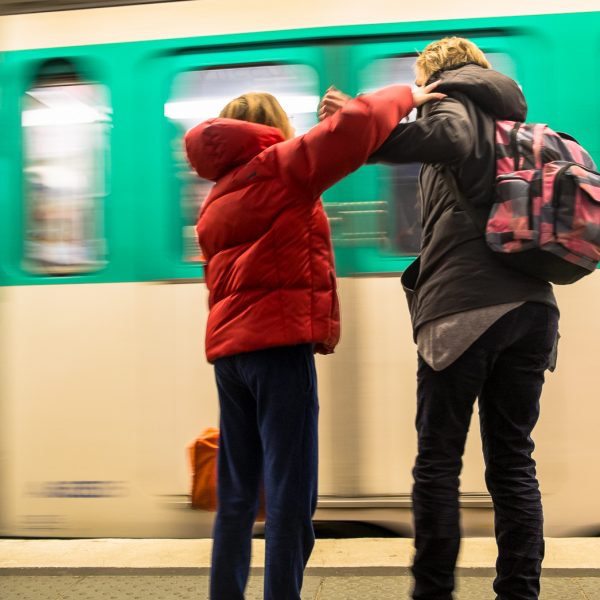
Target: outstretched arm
x,y
341,144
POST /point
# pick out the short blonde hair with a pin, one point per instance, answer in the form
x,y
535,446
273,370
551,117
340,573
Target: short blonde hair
x,y
259,107
448,52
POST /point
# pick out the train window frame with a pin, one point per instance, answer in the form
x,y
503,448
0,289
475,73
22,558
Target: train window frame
x,y
165,217
61,73
371,258
19,72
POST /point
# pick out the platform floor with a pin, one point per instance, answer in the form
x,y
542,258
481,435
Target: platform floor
x,y
361,569
340,586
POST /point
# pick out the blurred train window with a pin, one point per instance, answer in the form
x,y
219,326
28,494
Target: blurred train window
x,y
400,182
200,95
66,125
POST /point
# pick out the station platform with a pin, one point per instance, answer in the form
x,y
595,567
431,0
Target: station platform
x,y
339,569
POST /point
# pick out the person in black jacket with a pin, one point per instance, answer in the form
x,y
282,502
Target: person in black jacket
x,y
483,330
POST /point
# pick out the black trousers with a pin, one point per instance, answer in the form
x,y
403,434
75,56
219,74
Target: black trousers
x,y
504,368
269,422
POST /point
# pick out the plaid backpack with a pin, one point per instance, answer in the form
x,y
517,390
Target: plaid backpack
x,y
545,219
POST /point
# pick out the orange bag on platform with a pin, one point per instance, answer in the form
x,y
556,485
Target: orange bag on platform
x,y
203,460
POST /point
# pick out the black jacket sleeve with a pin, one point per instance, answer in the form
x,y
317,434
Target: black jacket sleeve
x,y
444,134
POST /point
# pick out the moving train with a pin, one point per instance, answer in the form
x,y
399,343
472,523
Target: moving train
x,y
103,380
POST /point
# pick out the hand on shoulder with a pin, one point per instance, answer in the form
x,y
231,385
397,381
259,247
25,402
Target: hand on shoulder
x,y
421,95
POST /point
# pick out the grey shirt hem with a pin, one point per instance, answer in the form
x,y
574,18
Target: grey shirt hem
x,y
441,341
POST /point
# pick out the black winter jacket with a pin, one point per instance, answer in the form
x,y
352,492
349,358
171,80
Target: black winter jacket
x,y
457,271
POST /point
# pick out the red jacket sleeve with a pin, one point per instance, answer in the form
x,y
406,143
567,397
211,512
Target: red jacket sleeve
x,y
342,143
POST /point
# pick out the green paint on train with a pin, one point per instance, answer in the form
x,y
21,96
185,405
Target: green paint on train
x,y
93,184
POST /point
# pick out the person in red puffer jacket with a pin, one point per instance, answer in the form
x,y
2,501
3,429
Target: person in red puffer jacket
x,y
272,298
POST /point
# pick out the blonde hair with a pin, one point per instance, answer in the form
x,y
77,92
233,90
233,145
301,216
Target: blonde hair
x,y
259,107
448,52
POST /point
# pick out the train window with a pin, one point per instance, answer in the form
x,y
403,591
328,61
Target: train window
x,y
199,95
66,125
400,182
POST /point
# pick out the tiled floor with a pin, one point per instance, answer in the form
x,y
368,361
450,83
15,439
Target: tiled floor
x,y
66,586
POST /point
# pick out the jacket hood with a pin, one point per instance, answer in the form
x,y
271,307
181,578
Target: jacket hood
x,y
217,146
493,92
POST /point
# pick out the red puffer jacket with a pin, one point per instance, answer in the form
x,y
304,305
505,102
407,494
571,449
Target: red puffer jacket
x,y
263,230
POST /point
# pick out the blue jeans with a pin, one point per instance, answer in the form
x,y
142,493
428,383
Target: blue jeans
x,y
269,418
504,368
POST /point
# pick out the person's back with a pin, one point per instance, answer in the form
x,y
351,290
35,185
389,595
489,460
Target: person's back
x,y
482,329
273,303
263,230
267,243
456,138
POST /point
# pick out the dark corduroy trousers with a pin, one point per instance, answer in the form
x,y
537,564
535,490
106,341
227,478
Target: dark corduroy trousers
x,y
269,418
504,368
